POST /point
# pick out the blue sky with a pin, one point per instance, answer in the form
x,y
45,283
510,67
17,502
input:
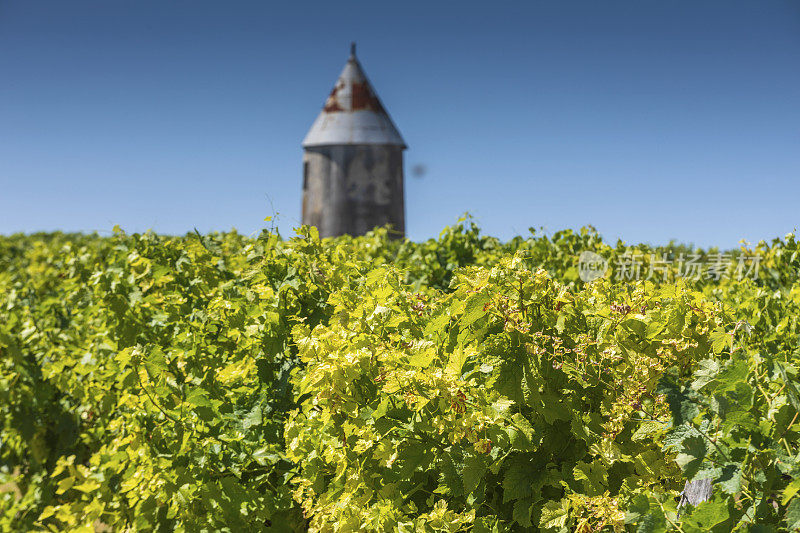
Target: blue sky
x,y
650,120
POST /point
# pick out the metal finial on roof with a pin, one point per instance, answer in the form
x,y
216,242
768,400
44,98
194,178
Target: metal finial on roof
x,y
353,48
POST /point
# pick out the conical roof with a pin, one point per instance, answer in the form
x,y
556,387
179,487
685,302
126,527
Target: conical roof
x,y
353,114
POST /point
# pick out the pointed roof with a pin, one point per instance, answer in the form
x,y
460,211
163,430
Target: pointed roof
x,y
353,114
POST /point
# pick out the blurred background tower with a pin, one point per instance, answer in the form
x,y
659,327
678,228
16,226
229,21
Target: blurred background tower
x,y
353,161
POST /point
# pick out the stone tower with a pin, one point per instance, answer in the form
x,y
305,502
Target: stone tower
x,y
353,161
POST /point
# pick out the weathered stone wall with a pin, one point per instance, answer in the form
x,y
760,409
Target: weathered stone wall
x,y
350,189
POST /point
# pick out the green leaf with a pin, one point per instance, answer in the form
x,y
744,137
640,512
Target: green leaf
x,y
721,340
450,479
521,433
422,358
730,480
712,515
474,469
554,515
198,397
516,484
635,326
639,507
522,512
380,411
690,458
682,402
730,375
594,476
644,431
790,491
413,457
456,362
654,522
792,517
508,382
253,418
708,370
560,322
473,309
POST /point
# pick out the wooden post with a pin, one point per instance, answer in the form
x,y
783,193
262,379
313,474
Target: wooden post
x,y
695,492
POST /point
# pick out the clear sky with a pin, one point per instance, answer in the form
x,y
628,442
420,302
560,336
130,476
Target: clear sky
x,y
651,120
